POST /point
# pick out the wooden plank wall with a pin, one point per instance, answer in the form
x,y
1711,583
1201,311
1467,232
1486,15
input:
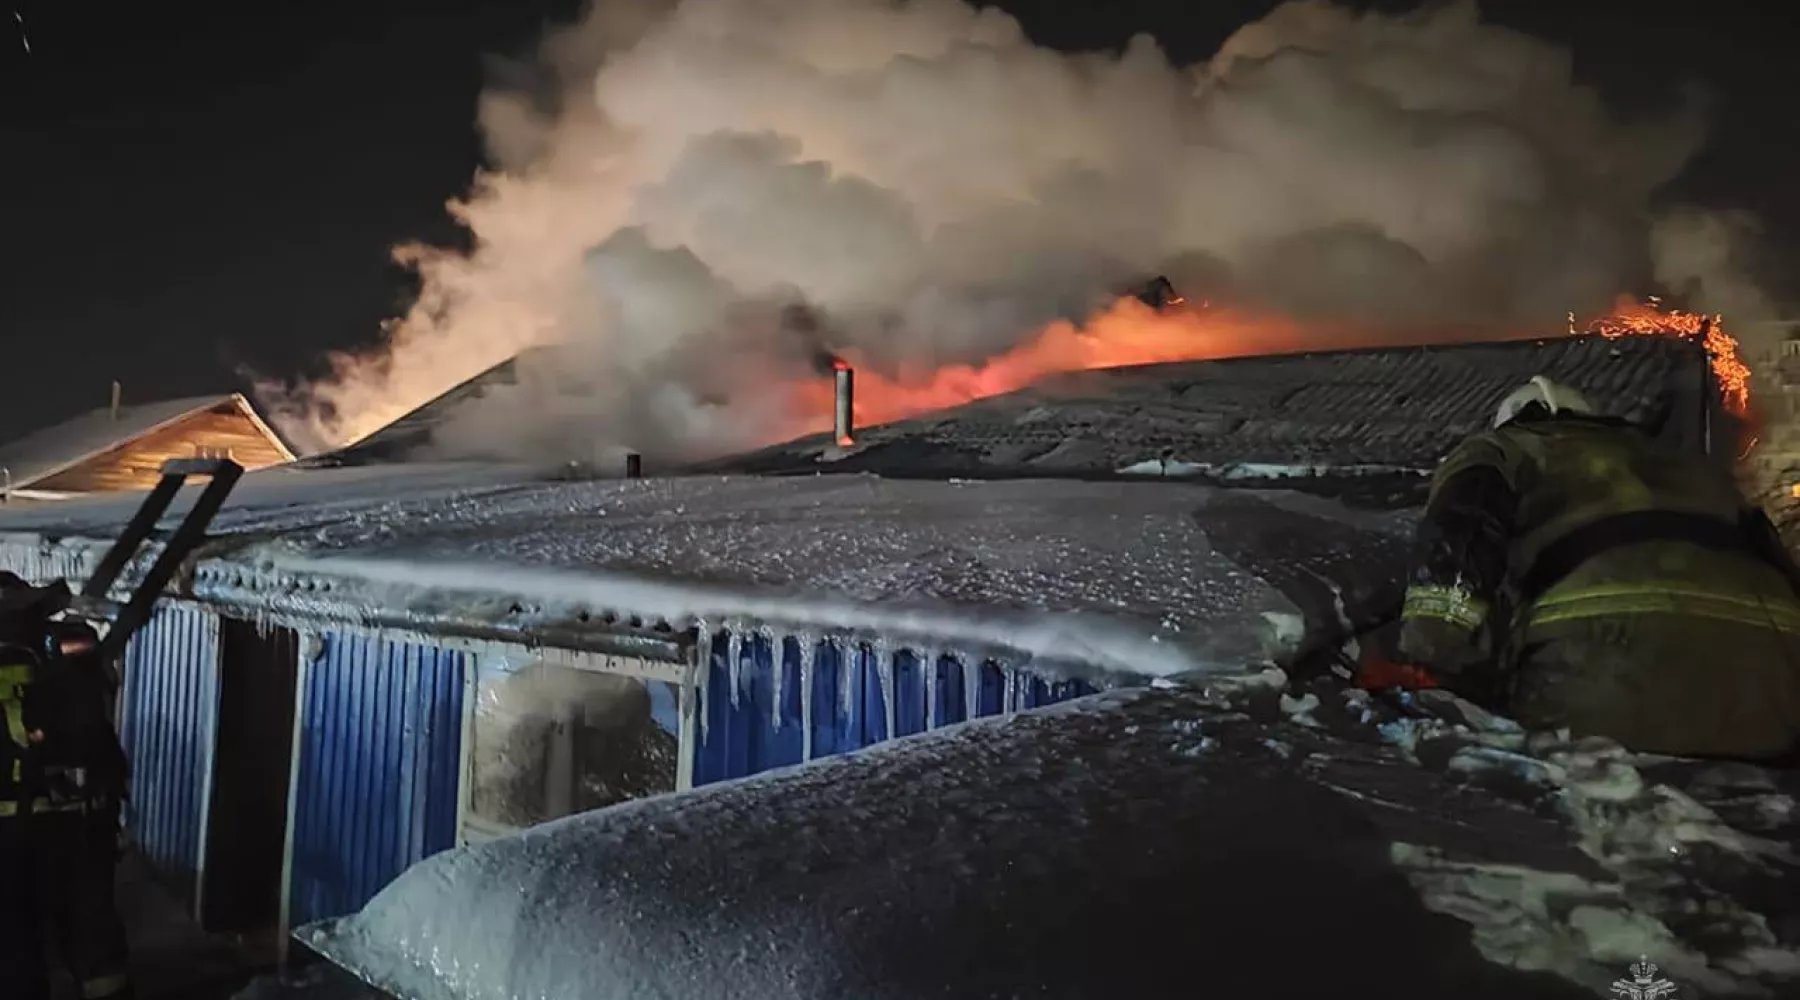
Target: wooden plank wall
x,y
223,432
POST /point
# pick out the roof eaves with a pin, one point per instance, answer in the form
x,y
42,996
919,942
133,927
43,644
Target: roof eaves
x,y
262,426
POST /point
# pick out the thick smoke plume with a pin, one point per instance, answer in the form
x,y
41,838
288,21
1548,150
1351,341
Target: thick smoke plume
x,y
697,201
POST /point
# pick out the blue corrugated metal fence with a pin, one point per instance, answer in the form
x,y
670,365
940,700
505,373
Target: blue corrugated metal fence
x,y
168,722
848,705
380,749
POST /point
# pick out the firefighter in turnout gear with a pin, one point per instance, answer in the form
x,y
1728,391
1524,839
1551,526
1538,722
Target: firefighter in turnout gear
x,y
62,781
1572,571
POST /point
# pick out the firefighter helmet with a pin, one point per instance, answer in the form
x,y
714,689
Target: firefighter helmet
x,y
1553,396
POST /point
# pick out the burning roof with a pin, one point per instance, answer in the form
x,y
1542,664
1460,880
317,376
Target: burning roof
x,y
1647,319
1129,387
1362,411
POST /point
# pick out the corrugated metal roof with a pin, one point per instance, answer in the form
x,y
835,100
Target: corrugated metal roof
x,y
43,453
1401,406
1398,408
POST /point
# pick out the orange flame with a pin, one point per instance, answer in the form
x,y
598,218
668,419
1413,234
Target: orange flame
x,y
1126,333
1649,317
1130,332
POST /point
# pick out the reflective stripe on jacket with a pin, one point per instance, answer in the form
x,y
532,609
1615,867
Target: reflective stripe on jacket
x,y
15,679
1549,493
39,805
1616,600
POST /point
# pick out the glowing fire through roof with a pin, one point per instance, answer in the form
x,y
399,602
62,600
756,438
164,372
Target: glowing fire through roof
x,y
1132,333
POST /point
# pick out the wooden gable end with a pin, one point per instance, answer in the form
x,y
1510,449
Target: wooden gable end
x,y
222,431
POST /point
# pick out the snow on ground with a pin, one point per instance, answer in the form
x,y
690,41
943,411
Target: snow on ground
x,y
1120,576
1155,843
1687,888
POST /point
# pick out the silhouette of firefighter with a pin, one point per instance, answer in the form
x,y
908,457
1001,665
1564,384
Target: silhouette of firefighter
x,y
62,783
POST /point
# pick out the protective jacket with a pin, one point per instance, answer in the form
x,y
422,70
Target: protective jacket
x,y
81,752
1572,570
24,625
21,772
62,776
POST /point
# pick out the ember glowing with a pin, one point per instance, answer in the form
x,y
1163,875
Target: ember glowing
x,y
1650,318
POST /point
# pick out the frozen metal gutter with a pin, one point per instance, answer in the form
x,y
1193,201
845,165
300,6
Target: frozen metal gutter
x,y
267,575
244,580
225,581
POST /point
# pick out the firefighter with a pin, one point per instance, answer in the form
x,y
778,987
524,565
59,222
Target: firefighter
x,y
62,777
1572,571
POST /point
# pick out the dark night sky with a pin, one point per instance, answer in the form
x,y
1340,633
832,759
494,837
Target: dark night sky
x,y
183,191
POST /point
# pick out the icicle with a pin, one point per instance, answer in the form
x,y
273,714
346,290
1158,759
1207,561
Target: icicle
x,y
929,663
849,676
1009,699
809,647
703,655
971,674
778,667
884,668
734,660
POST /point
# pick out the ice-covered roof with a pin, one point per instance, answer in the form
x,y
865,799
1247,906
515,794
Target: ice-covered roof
x,y
1152,577
1162,843
1129,577
1272,417
44,453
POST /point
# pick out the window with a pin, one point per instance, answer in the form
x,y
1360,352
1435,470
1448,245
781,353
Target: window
x,y
553,740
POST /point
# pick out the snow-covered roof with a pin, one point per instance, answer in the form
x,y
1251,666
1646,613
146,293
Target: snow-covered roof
x,y
1380,410
1161,843
1147,577
44,453
1129,577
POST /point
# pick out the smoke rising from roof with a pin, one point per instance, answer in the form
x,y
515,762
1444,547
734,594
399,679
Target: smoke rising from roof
x,y
669,180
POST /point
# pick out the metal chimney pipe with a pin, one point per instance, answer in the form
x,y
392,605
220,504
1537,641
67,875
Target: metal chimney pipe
x,y
845,427
634,465
117,395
